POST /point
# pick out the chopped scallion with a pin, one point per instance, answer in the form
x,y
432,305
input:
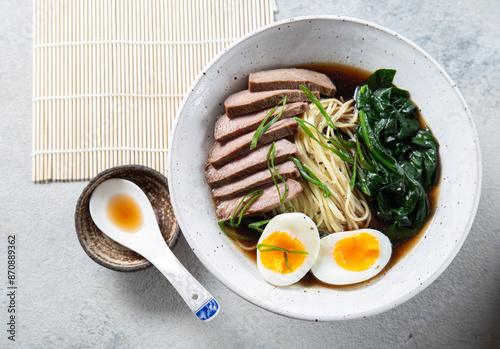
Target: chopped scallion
x,y
286,261
341,152
263,127
308,175
269,248
353,177
222,225
318,104
257,225
270,165
254,196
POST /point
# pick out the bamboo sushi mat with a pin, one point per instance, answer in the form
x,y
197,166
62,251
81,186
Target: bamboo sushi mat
x,y
109,76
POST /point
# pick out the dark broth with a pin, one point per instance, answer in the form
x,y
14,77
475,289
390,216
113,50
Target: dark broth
x,y
347,78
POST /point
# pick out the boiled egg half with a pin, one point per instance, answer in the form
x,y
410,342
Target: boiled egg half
x,y
287,248
352,256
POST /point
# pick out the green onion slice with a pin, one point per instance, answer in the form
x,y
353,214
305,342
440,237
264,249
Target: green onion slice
x,y
270,165
257,225
308,175
263,127
323,233
254,196
353,177
269,248
222,225
318,104
345,143
286,261
342,152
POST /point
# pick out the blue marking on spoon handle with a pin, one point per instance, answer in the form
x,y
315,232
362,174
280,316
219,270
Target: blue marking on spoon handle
x,y
208,310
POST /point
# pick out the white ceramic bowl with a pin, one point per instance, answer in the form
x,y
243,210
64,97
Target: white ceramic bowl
x,y
322,39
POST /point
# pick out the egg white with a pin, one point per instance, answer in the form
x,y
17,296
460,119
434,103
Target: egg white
x,y
327,270
297,225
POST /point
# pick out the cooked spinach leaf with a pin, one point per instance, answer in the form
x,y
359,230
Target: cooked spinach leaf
x,y
398,160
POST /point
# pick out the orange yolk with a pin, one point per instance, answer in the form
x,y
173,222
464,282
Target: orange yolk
x,y
357,252
275,260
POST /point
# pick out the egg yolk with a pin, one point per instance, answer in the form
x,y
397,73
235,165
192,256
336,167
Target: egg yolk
x,y
275,260
357,252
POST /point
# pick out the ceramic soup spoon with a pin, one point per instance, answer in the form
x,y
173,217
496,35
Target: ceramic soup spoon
x,y
122,211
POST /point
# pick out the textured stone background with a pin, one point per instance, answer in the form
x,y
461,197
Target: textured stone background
x,y
66,300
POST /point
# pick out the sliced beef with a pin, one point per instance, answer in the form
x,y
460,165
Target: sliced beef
x,y
257,179
266,202
222,153
256,160
226,128
245,102
284,79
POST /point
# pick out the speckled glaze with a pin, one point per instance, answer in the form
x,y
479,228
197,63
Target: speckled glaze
x,y
323,39
106,251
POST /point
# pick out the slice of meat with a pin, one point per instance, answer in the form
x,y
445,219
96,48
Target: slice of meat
x,y
257,179
226,128
266,202
222,153
245,102
256,160
284,79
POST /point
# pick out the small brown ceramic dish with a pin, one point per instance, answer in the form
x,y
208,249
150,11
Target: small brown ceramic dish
x,y
109,253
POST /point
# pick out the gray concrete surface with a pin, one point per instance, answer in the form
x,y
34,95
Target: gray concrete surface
x,y
64,300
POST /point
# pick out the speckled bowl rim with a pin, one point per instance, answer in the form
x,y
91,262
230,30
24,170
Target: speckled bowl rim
x,y
147,264
308,316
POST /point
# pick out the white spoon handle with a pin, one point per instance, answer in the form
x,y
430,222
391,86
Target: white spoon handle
x,y
199,300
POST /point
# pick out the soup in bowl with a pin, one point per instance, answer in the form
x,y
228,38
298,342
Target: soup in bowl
x,y
347,51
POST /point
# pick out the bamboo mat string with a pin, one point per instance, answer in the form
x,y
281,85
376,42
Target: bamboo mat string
x,y
109,76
